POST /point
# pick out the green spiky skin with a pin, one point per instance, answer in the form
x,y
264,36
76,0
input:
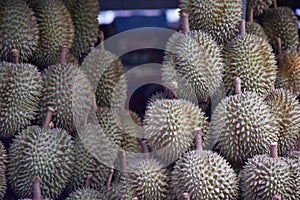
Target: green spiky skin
x,y
250,58
18,30
67,90
288,75
84,14
20,87
94,154
243,126
56,29
256,29
147,179
169,127
287,109
85,194
106,73
44,153
3,162
263,177
193,59
259,6
220,18
281,22
204,175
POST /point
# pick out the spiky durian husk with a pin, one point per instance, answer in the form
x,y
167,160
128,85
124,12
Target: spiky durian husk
x,y
95,155
84,14
288,75
281,22
259,6
243,126
169,127
85,194
256,29
250,58
147,179
55,28
294,162
3,162
106,73
44,153
68,91
204,175
220,18
18,30
287,110
263,177
20,89
194,61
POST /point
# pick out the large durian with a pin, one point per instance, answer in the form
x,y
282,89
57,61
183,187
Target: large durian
x,y
55,29
3,162
259,6
194,61
47,154
220,18
204,175
281,22
243,126
288,75
85,194
256,29
106,73
287,110
18,30
20,89
250,58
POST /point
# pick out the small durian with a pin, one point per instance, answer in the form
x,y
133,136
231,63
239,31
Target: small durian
x,y
47,154
18,30
219,18
288,75
55,29
85,194
256,29
250,58
259,6
281,22
286,108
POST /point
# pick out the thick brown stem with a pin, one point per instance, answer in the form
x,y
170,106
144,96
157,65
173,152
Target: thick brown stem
x,y
88,181
243,27
185,23
95,106
122,159
109,179
186,196
250,14
63,55
144,147
101,38
48,118
278,46
36,186
274,152
276,197
198,139
237,85
15,56
274,3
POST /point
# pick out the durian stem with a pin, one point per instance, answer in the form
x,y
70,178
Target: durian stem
x,y
250,14
274,3
274,152
144,147
173,90
122,159
15,56
186,196
95,106
36,184
198,139
243,22
185,23
278,45
88,181
108,182
48,118
63,55
237,85
101,38
276,197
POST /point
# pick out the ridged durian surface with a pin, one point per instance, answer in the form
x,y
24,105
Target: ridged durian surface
x,y
259,6
85,194
3,169
256,29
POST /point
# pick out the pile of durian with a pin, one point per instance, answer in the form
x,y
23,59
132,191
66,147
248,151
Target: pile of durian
x,y
227,126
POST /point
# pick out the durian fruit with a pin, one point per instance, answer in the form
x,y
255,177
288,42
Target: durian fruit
x,y
169,126
20,88
263,177
147,179
194,61
287,110
3,162
281,22
95,155
256,29
259,6
106,73
288,75
293,159
84,15
85,194
44,153
18,30
220,18
242,126
250,58
55,29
